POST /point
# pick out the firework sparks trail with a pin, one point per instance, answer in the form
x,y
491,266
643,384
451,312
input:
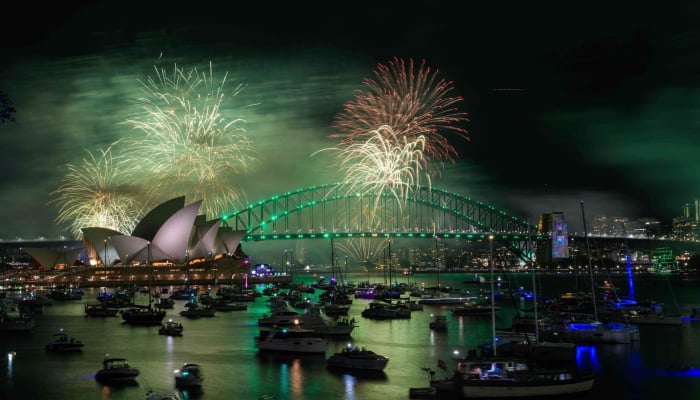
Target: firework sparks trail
x,y
363,249
188,142
383,165
413,101
387,216
99,192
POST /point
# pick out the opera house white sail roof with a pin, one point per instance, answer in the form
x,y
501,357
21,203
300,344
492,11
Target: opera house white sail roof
x,y
170,232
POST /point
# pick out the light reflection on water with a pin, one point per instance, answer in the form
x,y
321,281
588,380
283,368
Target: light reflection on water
x,y
10,362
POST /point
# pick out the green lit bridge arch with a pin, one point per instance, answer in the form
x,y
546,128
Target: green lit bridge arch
x,y
324,212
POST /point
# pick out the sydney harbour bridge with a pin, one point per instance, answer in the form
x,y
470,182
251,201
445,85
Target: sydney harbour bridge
x,y
327,212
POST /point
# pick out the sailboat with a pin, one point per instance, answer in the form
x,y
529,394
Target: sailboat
x,y
144,315
592,330
525,344
336,300
628,309
498,377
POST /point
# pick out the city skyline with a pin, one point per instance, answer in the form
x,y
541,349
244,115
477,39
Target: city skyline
x,y
560,110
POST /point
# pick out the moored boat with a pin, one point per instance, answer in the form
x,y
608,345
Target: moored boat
x,y
62,293
100,309
444,299
507,378
164,302
635,318
473,308
587,329
185,293
291,339
116,370
336,309
171,328
221,304
513,344
281,314
189,376
316,319
60,342
642,317
422,392
143,316
438,322
359,359
151,395
197,310
381,310
17,324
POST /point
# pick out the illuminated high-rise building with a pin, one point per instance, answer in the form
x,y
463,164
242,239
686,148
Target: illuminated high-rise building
x,y
555,225
692,211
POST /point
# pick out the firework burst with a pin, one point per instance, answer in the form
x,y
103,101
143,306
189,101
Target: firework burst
x,y
413,101
99,192
383,165
364,250
189,143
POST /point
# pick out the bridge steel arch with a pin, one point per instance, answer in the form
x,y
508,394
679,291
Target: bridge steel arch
x,y
325,211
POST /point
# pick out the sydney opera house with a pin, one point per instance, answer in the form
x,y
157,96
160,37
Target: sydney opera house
x,y
173,243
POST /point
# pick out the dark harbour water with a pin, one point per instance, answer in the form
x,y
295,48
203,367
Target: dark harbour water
x,y
233,368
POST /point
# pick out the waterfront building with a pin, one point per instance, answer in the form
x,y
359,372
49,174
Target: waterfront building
x,y
171,233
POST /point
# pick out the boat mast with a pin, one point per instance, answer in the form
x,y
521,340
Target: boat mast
x,y
333,270
437,263
493,306
150,276
391,291
590,267
534,291
628,259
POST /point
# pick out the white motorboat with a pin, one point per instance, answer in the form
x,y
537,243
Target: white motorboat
x,y
189,376
291,339
355,358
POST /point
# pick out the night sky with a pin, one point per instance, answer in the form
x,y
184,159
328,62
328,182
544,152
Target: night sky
x,y
567,102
